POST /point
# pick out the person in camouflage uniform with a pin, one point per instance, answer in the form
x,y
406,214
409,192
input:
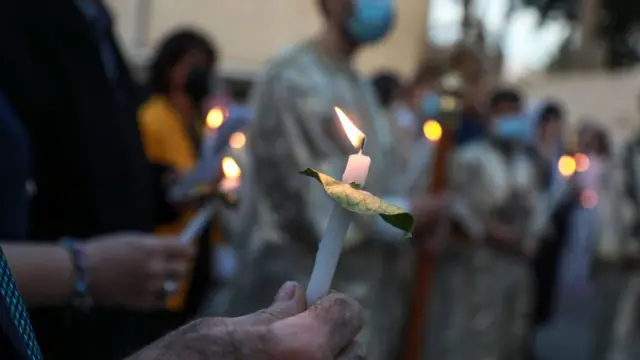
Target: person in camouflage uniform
x,y
480,305
295,128
618,260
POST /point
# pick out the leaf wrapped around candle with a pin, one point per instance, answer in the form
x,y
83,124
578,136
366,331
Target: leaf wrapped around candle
x,y
353,199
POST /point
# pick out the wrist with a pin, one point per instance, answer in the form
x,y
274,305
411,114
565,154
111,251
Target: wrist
x,y
81,272
204,339
94,258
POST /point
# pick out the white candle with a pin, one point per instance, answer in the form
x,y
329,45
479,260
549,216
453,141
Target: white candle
x,y
357,169
197,224
330,245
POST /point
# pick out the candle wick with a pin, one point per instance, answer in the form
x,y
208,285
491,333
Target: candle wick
x,y
364,138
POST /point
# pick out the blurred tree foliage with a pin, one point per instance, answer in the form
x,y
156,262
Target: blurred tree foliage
x,y
618,25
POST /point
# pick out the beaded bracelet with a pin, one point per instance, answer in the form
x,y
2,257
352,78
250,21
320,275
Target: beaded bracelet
x,y
81,273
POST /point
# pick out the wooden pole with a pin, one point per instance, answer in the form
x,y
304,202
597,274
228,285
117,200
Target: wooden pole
x,y
427,260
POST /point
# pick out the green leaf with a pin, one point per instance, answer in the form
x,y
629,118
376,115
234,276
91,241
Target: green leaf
x,y
354,199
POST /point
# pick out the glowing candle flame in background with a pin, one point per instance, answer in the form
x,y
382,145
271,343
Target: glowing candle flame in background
x,y
356,137
566,165
230,168
215,117
582,162
432,130
237,140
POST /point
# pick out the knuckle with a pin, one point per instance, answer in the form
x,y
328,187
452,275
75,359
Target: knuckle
x,y
347,307
269,314
202,324
358,352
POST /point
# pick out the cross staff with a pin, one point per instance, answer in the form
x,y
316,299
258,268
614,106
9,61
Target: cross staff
x,y
449,119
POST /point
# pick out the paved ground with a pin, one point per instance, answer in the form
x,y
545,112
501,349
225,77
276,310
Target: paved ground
x,y
571,334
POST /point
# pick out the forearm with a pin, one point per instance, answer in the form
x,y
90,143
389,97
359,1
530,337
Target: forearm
x,y
43,272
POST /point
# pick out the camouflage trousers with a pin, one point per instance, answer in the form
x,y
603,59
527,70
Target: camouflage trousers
x,y
377,275
480,307
618,320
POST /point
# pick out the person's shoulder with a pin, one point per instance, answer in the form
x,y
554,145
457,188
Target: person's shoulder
x,y
289,58
296,64
476,146
155,110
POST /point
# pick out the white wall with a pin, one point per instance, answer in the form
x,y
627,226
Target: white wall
x,y
251,31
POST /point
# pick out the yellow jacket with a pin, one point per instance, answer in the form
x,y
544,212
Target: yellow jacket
x,y
166,142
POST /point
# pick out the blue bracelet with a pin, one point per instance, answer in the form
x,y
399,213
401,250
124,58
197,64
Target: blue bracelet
x,y
81,273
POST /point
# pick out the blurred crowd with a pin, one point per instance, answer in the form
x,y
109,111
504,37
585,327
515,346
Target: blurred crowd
x,y
129,209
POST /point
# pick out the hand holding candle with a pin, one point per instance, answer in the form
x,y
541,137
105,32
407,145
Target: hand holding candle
x,y
229,184
223,126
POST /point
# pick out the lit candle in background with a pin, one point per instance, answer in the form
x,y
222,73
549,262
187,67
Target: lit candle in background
x,y
237,143
237,140
567,165
432,130
232,176
582,162
330,246
215,118
228,185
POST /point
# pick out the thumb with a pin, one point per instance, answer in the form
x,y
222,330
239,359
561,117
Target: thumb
x,y
330,325
289,301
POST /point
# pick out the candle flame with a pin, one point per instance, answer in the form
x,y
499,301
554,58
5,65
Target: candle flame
x,y
432,130
567,165
230,168
215,117
582,162
356,137
237,140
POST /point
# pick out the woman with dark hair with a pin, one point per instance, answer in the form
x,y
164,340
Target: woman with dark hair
x,y
171,124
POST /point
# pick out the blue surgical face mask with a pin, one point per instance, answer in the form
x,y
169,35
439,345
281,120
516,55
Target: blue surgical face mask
x,y
371,20
430,105
513,127
405,117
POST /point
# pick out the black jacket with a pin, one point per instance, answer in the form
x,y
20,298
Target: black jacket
x,y
89,165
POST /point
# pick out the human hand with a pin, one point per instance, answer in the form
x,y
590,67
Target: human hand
x,y
136,271
284,331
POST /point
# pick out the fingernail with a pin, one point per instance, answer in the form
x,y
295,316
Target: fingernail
x,y
287,291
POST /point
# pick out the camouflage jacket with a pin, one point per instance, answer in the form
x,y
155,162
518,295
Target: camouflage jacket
x,y
295,128
488,182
